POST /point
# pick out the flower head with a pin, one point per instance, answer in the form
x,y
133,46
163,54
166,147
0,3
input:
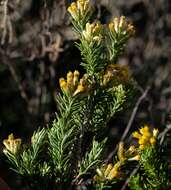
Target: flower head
x,y
79,9
155,132
108,172
12,144
115,74
145,137
115,171
121,26
121,152
72,9
93,32
73,85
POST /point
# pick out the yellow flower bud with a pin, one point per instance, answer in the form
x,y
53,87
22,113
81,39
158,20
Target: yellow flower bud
x,y
80,88
122,21
92,32
153,140
76,77
69,78
114,172
144,129
121,152
12,144
63,84
136,135
142,141
83,6
87,33
120,25
116,24
108,169
80,6
155,132
72,9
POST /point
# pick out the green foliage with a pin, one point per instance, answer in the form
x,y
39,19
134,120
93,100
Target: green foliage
x,y
154,172
93,57
92,157
136,182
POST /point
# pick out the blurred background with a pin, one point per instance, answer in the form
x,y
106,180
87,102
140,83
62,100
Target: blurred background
x,y
37,48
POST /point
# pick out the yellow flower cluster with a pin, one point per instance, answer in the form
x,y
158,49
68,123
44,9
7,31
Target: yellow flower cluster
x,y
130,154
116,73
108,172
120,25
93,32
73,85
146,137
12,144
79,9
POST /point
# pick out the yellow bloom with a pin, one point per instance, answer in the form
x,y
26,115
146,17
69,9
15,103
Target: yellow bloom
x,y
116,24
153,140
122,21
92,32
12,144
80,88
120,25
121,152
145,137
72,9
76,77
87,33
136,135
114,173
72,85
108,169
69,78
142,141
79,9
115,74
155,132
63,84
83,6
144,130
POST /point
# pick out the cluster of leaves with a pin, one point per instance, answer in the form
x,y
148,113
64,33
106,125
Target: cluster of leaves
x,y
153,174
